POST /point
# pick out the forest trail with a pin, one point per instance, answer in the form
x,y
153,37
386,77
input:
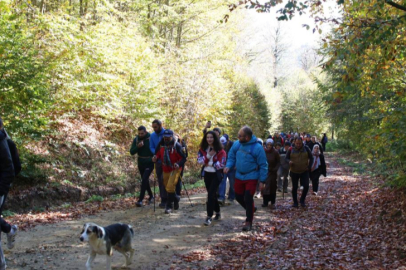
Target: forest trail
x,y
350,225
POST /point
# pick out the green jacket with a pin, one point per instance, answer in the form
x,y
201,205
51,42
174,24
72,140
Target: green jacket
x,y
144,153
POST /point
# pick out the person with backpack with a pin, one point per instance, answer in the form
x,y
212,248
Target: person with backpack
x,y
318,168
251,165
183,143
140,146
172,158
269,190
227,144
213,158
300,160
7,174
324,141
283,171
155,139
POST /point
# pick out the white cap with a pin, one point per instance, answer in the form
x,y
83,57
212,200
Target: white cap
x,y
223,140
269,141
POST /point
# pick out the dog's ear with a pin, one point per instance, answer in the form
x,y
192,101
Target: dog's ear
x,y
98,231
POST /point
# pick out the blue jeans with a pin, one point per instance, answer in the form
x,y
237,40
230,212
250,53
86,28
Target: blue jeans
x,y
222,188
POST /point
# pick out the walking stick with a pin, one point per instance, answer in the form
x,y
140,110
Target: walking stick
x,y
184,186
154,187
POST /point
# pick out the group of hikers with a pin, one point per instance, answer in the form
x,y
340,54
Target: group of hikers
x,y
253,167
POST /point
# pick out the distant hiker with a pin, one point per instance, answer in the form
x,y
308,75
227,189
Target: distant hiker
x,y
227,144
313,141
307,140
300,160
154,140
141,147
250,161
213,158
283,171
172,158
277,138
183,143
258,192
7,173
218,131
324,141
269,189
318,168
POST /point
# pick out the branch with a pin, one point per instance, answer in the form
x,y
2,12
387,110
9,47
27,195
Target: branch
x,y
395,5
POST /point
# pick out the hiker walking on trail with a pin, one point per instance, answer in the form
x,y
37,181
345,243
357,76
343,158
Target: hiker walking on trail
x,y
213,158
324,141
140,146
154,140
7,174
313,141
300,160
250,161
269,189
183,143
283,171
318,168
173,159
227,144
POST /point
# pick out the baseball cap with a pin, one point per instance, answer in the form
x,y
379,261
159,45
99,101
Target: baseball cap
x,y
223,140
168,133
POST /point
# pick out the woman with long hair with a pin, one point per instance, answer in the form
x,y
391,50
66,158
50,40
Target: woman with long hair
x,y
213,158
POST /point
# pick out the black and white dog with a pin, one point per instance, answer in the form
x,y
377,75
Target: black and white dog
x,y
103,240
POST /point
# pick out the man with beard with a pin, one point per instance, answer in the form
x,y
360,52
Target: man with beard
x,y
172,159
155,138
250,161
145,165
300,160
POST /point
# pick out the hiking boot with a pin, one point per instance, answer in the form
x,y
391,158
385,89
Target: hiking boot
x,y
279,190
222,202
11,237
247,227
138,204
295,205
301,188
314,193
151,200
168,210
257,195
176,203
264,205
272,206
207,222
162,205
217,217
302,204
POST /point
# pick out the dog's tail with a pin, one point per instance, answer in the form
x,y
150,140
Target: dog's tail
x,y
131,230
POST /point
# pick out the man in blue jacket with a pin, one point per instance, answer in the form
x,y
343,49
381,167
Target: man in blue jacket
x,y
154,140
251,165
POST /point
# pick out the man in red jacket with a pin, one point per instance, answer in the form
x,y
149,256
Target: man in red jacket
x,y
173,159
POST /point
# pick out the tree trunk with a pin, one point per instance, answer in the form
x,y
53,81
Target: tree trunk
x,y
81,7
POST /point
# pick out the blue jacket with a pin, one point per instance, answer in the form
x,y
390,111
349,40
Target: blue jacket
x,y
249,166
154,140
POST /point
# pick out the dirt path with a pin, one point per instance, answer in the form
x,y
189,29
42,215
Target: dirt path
x,y
350,225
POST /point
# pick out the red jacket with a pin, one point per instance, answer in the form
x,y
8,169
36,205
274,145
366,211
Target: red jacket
x,y
176,155
219,159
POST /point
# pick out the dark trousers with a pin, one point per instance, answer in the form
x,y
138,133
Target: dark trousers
x,y
212,182
315,176
145,187
324,146
159,174
304,181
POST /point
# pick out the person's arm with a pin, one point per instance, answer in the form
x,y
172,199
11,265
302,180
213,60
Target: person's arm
x,y
134,147
262,164
152,144
182,160
278,162
221,160
14,156
288,156
309,154
231,159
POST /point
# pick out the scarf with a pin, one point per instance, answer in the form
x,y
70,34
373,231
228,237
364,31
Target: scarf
x,y
167,159
316,162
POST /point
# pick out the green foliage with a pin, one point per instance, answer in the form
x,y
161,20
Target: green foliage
x,y
250,108
95,198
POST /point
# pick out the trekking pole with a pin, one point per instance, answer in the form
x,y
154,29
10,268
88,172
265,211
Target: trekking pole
x,y
154,188
184,186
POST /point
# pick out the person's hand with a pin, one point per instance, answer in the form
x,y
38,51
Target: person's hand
x,y
261,186
176,165
140,144
212,152
290,162
226,170
154,159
